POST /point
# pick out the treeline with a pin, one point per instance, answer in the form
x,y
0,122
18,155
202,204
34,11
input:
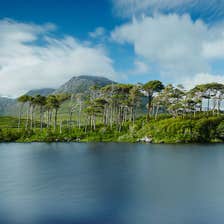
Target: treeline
x,y
112,105
116,104
123,113
46,107
202,98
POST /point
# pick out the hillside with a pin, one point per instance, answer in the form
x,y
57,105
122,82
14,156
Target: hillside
x,y
82,84
42,92
5,104
79,84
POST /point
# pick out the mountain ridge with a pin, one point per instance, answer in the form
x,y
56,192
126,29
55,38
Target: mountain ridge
x,y
82,83
77,84
42,92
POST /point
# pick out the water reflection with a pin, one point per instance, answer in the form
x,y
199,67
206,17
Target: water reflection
x,y
111,183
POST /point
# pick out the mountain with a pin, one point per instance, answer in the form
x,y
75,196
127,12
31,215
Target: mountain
x,y
79,84
42,92
82,84
6,104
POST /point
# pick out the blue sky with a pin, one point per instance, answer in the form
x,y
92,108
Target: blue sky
x,y
73,17
47,42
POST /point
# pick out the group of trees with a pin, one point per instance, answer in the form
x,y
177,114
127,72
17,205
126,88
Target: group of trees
x,y
44,105
204,98
116,104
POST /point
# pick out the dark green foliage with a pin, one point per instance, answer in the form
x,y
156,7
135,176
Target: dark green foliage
x,y
220,131
9,135
206,128
179,130
163,130
116,112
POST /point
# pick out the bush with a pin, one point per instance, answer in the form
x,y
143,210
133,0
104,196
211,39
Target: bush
x,y
206,128
9,135
185,130
220,130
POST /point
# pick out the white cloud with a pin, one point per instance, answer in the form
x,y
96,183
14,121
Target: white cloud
x,y
31,58
140,68
98,32
130,7
214,49
176,44
202,78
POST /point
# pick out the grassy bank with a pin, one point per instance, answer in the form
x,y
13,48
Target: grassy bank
x,y
200,129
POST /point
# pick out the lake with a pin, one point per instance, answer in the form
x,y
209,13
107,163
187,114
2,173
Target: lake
x,y
111,183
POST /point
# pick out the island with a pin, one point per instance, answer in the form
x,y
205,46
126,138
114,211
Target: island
x,y
96,109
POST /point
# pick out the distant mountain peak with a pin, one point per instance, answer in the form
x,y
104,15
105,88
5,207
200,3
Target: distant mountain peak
x,y
92,77
77,84
42,92
82,83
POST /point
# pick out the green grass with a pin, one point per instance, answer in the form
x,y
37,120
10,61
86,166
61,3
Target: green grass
x,y
164,130
8,122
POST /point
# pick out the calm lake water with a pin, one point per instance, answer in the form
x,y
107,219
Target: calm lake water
x,y
111,184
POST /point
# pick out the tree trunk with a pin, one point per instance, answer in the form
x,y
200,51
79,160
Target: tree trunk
x,y
55,119
20,116
41,118
80,112
61,127
149,105
27,116
219,105
31,117
70,119
48,118
157,111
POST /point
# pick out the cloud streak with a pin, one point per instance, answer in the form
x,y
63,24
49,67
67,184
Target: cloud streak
x,y
31,58
129,7
207,10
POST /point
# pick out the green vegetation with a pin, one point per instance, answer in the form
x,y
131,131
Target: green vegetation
x,y
121,113
179,130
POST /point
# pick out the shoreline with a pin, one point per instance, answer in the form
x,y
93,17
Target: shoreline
x,y
198,130
117,142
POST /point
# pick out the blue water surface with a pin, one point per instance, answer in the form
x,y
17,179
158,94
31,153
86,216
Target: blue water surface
x,y
111,183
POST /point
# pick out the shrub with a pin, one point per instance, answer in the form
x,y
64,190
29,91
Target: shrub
x,y
220,130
